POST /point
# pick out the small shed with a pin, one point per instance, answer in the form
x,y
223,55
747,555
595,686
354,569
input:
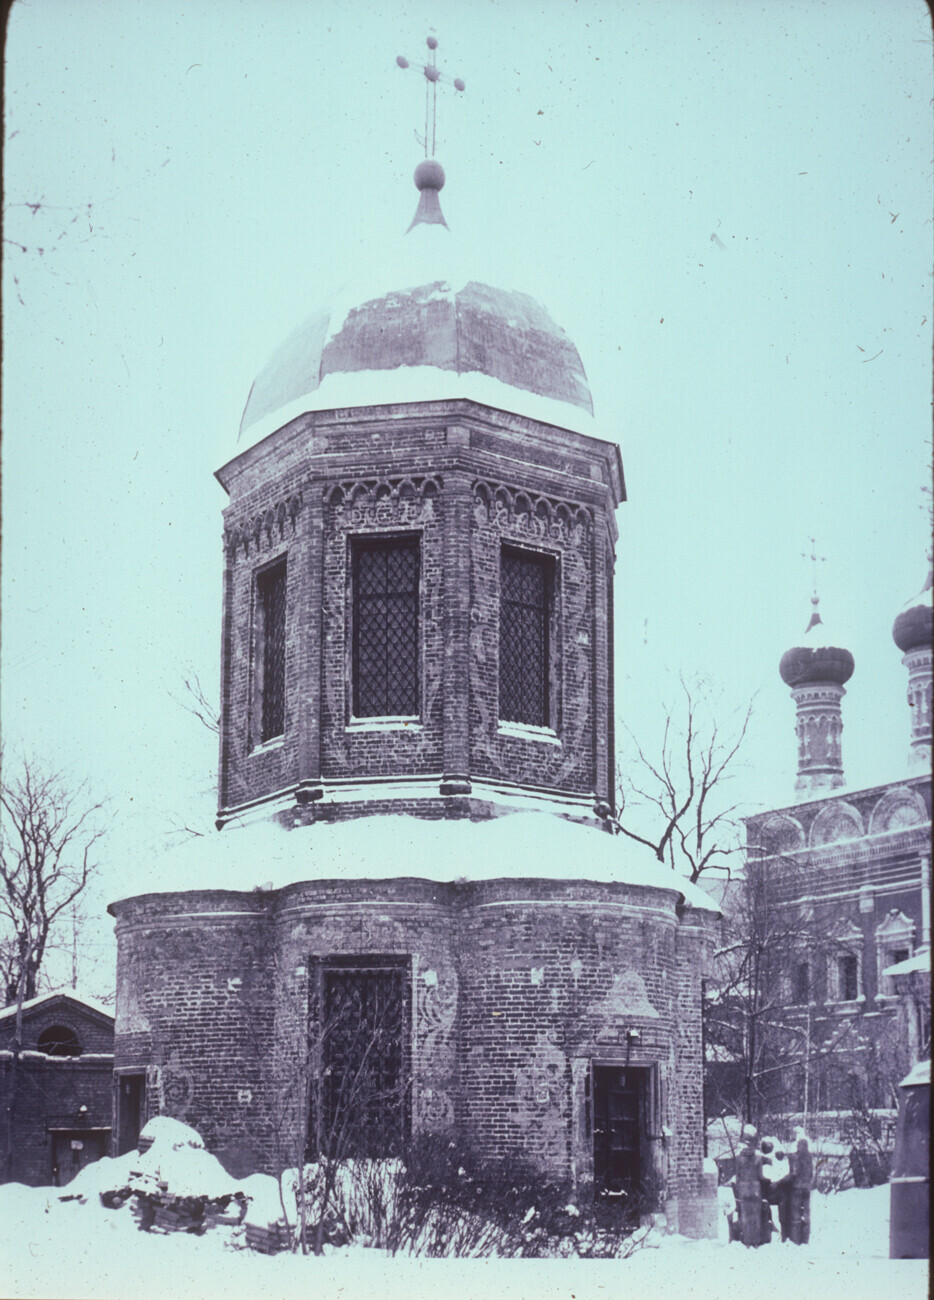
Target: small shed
x,y
56,1093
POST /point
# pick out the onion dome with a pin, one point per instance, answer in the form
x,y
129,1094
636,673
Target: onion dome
x,y
817,660
913,628
424,326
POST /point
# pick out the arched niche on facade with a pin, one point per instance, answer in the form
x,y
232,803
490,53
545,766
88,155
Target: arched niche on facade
x,y
836,822
779,833
898,808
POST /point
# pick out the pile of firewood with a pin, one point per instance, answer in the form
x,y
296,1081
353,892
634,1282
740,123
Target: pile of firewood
x,y
269,1240
158,1210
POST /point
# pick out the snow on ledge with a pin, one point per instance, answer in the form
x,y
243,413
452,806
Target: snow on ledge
x,y
58,1062
918,1075
523,845
344,389
80,998
920,961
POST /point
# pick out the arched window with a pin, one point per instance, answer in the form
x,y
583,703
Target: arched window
x,y
59,1040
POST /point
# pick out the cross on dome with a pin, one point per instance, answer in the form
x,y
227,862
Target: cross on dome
x,y
815,598
433,78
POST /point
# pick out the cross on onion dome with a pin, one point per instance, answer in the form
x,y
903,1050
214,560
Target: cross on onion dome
x,y
433,78
815,599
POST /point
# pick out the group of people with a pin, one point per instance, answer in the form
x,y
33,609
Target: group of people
x,y
766,1176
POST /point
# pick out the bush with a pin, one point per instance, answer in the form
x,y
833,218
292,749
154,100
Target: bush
x,y
444,1200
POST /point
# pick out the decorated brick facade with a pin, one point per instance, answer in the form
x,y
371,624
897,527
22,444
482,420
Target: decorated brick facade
x,y
462,480
414,879
517,988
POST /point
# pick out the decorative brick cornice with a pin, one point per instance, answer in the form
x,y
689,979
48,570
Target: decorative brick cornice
x,y
535,516
266,528
382,500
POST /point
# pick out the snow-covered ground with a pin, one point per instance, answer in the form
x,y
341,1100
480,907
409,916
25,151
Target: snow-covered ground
x,y
77,1248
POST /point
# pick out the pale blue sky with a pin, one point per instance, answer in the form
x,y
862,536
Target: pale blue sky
x,y
727,206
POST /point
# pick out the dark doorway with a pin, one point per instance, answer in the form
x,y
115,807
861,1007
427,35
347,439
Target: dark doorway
x,y
360,1039
131,1106
619,1127
71,1151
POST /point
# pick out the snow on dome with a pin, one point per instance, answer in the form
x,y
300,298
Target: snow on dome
x,y
518,846
423,324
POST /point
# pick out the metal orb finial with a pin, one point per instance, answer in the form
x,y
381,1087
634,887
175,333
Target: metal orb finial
x,y
429,175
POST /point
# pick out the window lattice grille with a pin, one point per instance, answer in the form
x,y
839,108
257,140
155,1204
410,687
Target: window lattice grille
x,y
385,599
525,592
271,593
364,1092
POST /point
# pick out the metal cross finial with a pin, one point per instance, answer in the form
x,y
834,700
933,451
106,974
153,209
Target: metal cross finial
x,y
815,560
432,78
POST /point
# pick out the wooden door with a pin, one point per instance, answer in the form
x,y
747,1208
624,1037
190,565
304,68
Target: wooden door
x,y
72,1151
131,1103
619,1107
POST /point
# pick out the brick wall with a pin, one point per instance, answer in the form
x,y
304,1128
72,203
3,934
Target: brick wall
x,y
517,986
195,1007
94,1033
847,866
49,1092
464,479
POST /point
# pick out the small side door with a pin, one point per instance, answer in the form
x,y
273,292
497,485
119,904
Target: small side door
x,y
619,1108
72,1151
131,1110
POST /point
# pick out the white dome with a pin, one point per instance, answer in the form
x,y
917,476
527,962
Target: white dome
x,y
423,326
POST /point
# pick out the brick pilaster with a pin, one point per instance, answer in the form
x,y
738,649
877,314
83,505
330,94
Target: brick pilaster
x,y
456,597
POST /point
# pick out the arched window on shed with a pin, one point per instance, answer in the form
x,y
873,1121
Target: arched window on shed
x,y
59,1040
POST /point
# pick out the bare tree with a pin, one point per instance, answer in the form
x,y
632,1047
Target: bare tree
x,y
194,700
763,1003
47,836
695,829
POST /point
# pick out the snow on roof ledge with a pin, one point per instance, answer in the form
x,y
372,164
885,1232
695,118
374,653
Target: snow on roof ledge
x,y
920,961
91,1003
418,384
918,1075
515,846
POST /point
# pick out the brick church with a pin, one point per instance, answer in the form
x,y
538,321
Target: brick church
x,y
854,868
413,887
